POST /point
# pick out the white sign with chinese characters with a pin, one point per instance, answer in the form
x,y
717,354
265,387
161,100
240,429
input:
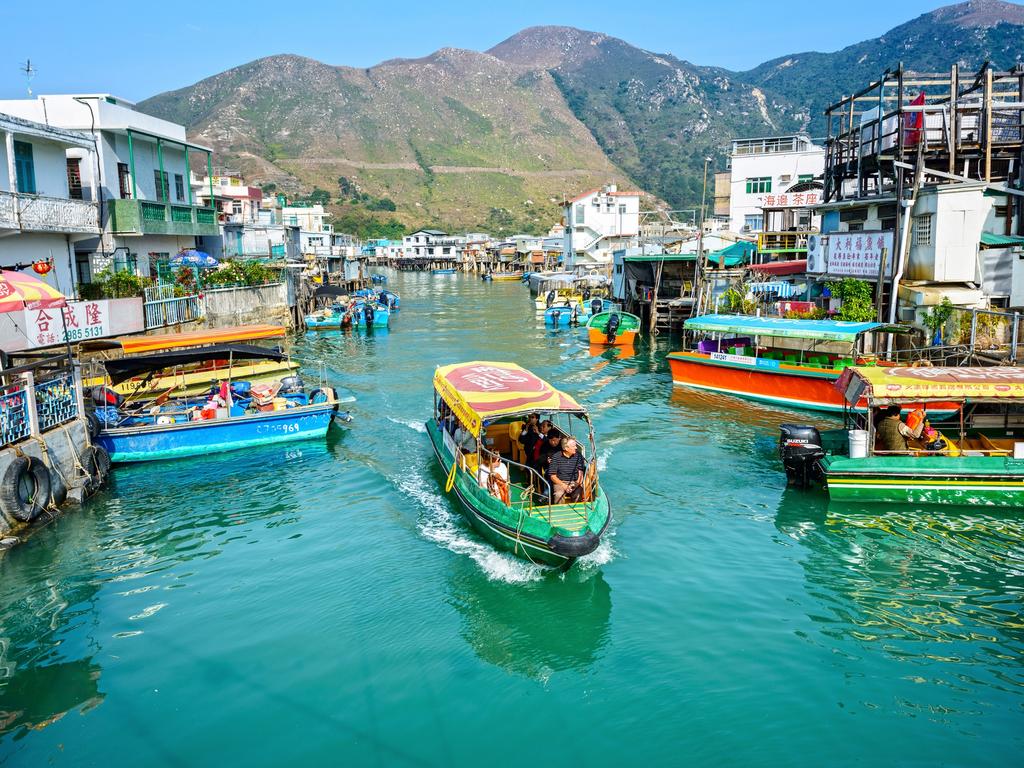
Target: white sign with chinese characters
x,y
78,321
791,199
851,254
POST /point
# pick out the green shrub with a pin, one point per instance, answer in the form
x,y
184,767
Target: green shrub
x,y
857,299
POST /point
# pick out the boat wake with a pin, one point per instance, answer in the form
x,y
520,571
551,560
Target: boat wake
x,y
603,555
418,426
439,524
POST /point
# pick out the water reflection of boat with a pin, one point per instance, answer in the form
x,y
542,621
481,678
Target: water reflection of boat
x,y
534,629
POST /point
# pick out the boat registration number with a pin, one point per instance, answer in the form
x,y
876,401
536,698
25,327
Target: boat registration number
x,y
759,362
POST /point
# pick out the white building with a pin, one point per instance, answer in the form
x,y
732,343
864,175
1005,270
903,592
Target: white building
x,y
140,181
433,244
599,222
770,173
44,210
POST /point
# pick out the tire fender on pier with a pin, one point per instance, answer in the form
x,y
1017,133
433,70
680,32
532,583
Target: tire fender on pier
x,y
25,488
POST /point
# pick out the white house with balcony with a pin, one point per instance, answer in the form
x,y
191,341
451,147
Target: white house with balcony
x,y
44,210
776,173
433,244
140,182
597,223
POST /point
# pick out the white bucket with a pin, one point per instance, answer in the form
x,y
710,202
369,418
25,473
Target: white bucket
x,y
1018,450
858,443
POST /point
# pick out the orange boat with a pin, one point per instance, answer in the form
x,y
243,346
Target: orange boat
x,y
740,356
603,330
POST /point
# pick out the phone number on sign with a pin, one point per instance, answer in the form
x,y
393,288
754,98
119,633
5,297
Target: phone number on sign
x,y
77,334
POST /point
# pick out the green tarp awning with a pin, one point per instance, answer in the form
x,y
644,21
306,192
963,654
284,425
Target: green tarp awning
x,y
991,240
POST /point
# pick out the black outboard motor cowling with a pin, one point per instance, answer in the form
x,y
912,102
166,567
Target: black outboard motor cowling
x,y
800,449
368,314
612,329
596,305
291,385
550,298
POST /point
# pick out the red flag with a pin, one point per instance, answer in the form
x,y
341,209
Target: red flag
x,y
913,123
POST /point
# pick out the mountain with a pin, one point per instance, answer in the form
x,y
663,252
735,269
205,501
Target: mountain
x,y
657,117
458,139
469,140
968,34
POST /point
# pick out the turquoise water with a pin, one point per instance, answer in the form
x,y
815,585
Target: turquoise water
x,y
323,602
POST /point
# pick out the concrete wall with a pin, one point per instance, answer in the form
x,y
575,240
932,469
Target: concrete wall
x,y
238,306
37,246
63,445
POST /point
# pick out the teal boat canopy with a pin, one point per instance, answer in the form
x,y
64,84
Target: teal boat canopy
x,y
822,330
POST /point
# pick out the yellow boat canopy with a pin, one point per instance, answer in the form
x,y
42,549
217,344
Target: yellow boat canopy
x,y
883,385
165,341
483,391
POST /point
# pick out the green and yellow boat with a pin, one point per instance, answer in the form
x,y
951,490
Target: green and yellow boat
x,y
479,410
976,459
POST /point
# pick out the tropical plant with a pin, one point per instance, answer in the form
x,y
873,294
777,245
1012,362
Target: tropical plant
x,y
936,318
857,300
108,284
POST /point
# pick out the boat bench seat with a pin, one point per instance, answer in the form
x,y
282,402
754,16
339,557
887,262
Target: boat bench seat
x,y
998,445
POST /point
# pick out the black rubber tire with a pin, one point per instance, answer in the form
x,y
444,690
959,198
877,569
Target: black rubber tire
x,y
93,422
312,396
16,502
103,463
87,459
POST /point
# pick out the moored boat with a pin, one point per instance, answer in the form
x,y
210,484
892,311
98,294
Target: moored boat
x,y
233,415
480,404
442,271
977,461
778,360
613,328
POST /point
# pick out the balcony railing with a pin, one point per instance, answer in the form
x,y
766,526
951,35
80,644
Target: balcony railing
x,y
152,217
782,242
37,213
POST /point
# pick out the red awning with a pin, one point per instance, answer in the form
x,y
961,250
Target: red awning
x,y
796,267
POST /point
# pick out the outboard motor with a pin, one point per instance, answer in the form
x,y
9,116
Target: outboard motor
x,y
800,449
596,305
550,298
291,385
368,314
612,329
586,294
555,316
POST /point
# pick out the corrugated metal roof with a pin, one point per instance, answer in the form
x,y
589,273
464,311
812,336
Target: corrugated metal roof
x,y
992,240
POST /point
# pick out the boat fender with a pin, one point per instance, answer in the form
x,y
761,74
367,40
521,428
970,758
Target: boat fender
x,y
317,396
574,546
93,423
95,463
58,489
25,488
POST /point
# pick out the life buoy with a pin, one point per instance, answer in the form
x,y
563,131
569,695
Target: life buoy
x,y
25,488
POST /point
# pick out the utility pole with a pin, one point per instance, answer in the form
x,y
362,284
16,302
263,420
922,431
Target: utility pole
x,y
699,267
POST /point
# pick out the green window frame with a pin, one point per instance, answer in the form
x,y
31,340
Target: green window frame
x,y
162,186
803,178
25,168
759,185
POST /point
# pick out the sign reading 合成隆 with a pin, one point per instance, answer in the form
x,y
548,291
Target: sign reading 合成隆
x,y
78,321
851,254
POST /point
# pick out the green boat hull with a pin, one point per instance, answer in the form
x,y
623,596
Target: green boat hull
x,y
514,531
993,481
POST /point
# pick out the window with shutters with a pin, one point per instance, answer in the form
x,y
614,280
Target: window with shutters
x,y
160,183
179,187
923,229
74,178
25,167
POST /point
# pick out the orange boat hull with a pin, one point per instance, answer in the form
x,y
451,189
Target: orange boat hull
x,y
795,386
623,339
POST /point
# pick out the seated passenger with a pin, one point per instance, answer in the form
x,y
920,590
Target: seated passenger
x,y
492,476
529,435
565,473
551,444
893,433
464,439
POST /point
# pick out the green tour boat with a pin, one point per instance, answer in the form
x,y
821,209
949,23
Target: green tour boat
x,y
977,459
479,412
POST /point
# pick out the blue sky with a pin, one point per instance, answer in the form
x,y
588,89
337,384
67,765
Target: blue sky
x,y
140,49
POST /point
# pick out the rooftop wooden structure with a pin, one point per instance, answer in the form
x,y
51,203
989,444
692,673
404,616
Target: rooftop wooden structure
x,y
966,124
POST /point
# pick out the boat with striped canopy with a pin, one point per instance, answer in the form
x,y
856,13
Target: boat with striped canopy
x,y
479,410
976,460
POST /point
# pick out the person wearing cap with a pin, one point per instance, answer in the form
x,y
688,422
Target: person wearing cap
x,y
565,473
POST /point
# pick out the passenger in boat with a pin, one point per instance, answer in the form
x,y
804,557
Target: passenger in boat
x,y
550,445
893,433
565,473
492,476
529,435
464,439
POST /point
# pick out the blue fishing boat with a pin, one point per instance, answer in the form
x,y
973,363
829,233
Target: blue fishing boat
x,y
379,279
335,316
564,315
369,315
390,298
233,415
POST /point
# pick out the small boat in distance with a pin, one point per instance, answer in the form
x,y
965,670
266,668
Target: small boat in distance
x,y
479,409
443,271
977,460
613,328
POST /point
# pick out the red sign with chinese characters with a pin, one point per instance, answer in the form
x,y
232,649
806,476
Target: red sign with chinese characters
x,y
78,321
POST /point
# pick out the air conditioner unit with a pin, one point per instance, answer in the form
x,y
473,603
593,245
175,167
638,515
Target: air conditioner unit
x,y
785,177
907,314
